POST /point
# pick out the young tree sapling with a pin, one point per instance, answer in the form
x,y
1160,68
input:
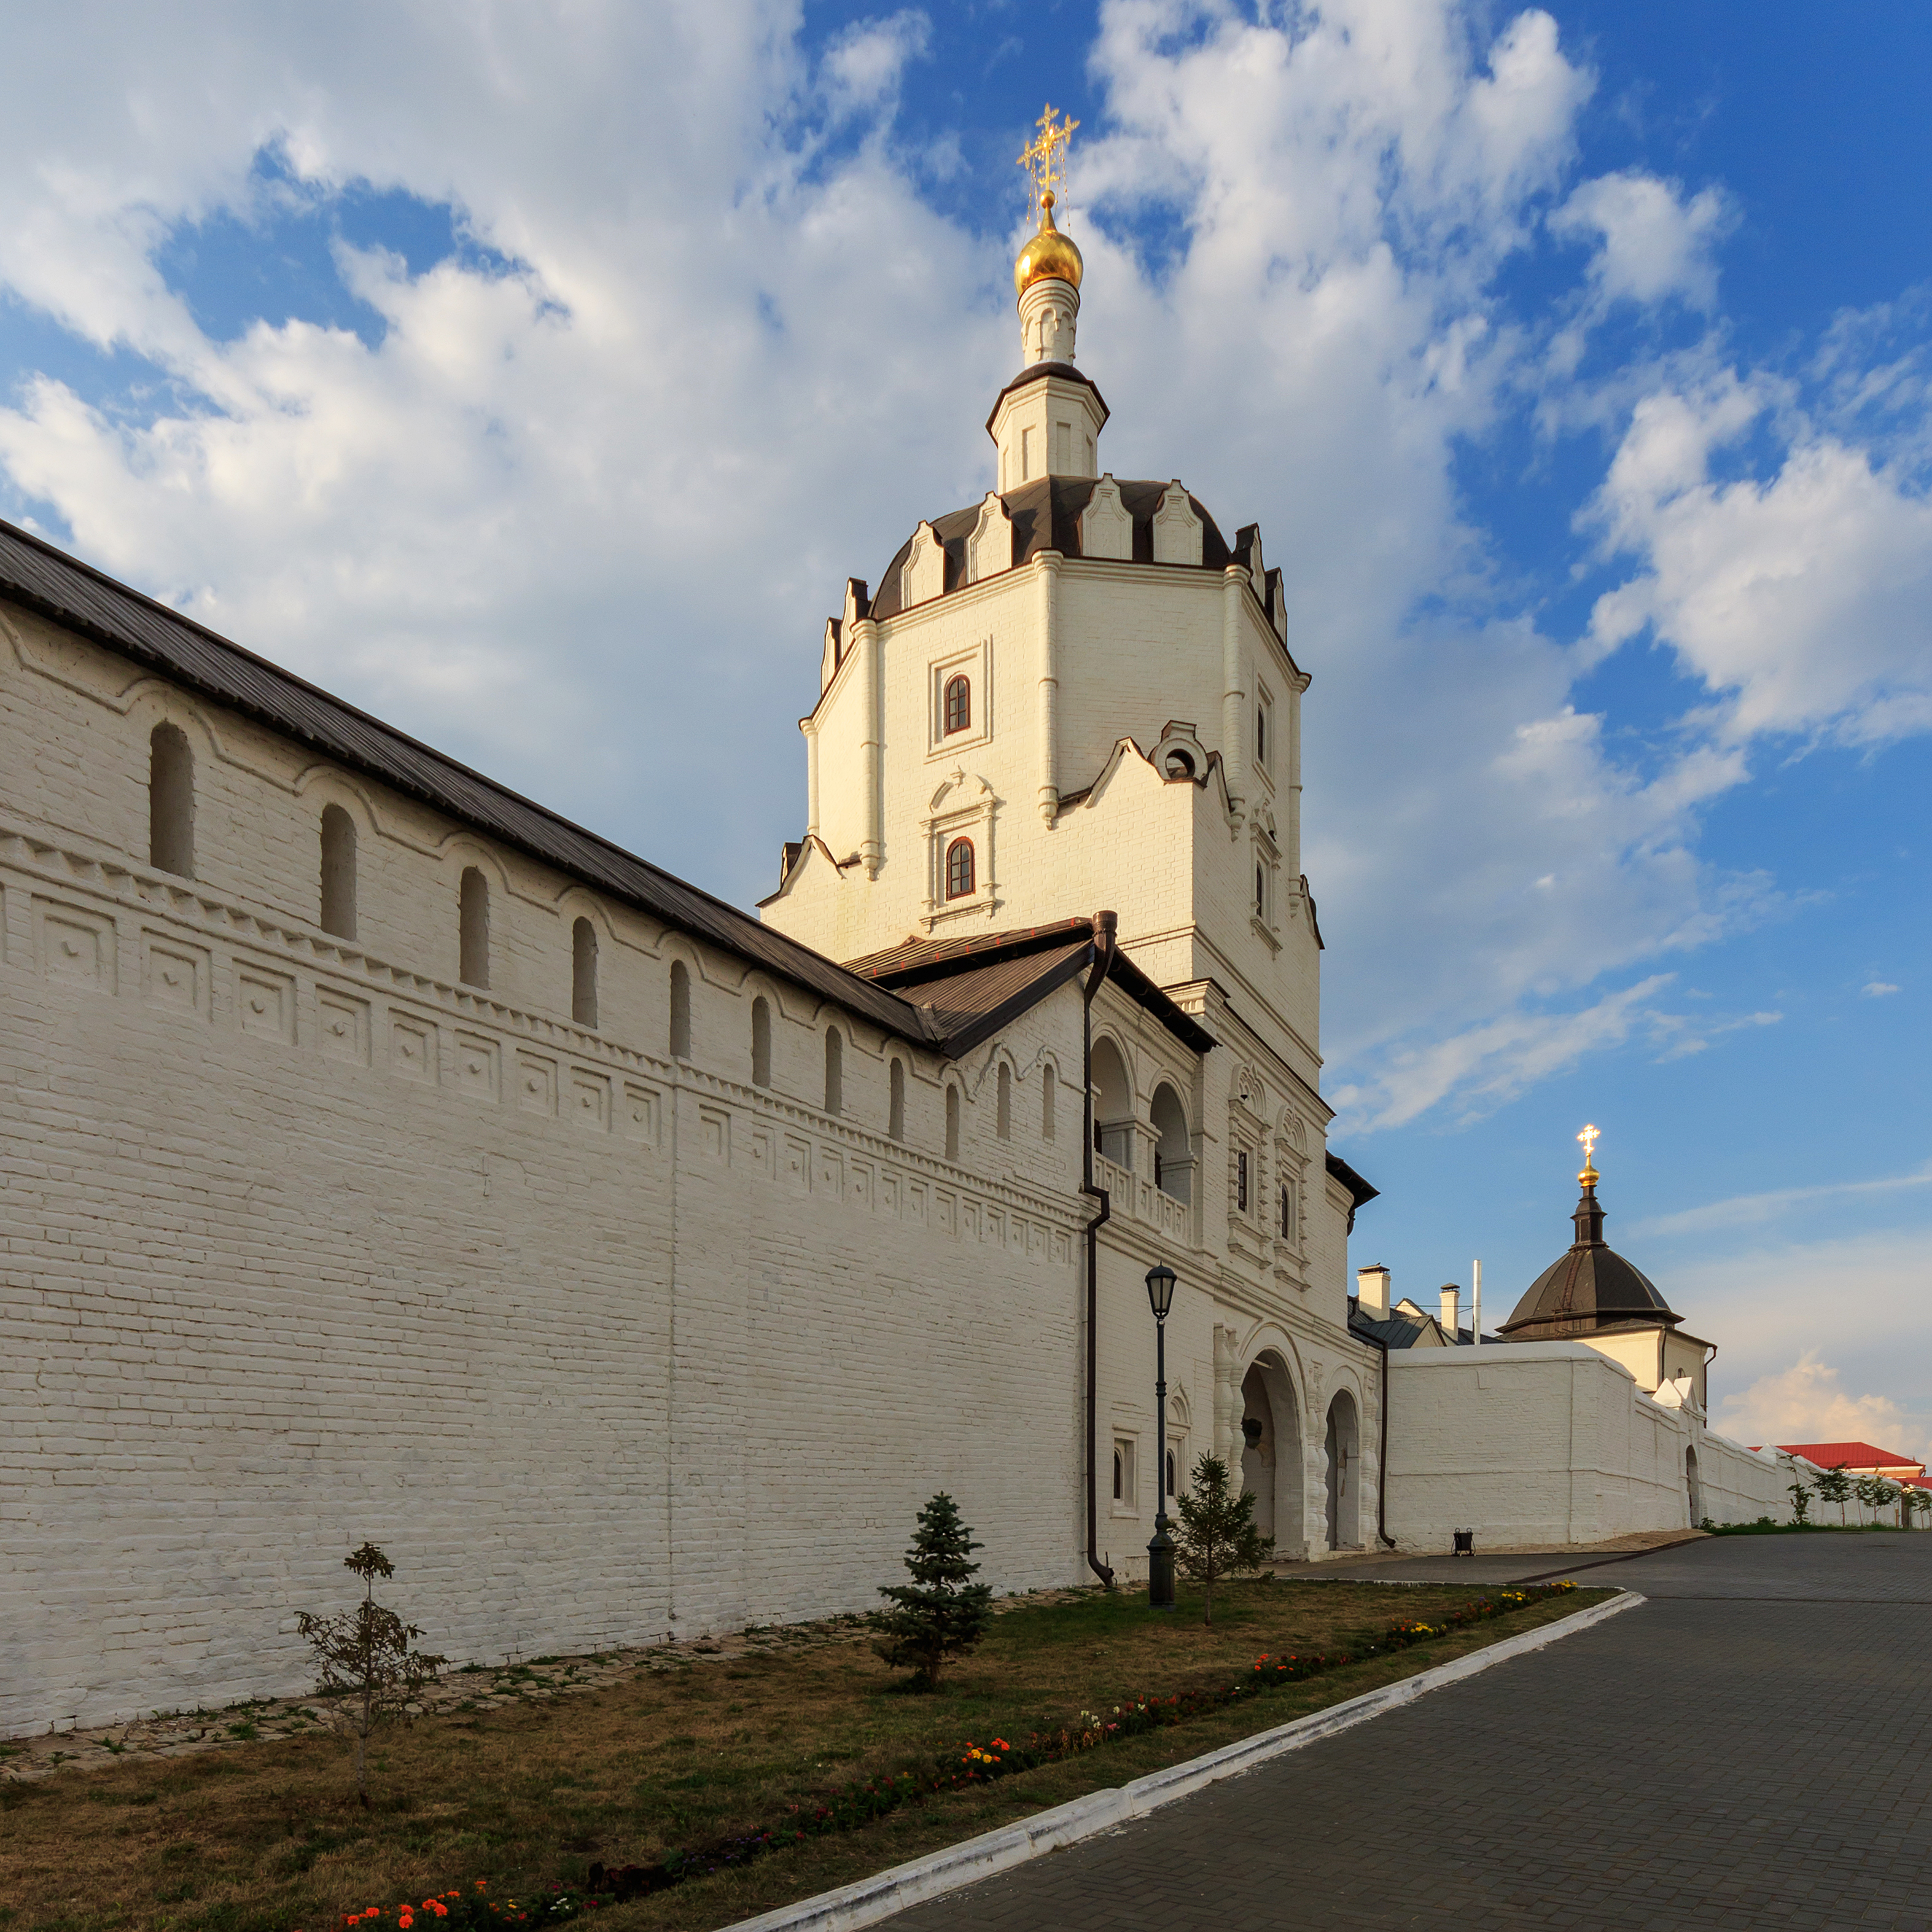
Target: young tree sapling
x,y
1218,1536
365,1666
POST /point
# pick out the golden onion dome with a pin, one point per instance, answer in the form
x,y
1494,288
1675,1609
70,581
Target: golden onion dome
x,y
1050,255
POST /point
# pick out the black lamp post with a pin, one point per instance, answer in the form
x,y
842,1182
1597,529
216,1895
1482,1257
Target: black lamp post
x,y
1160,1551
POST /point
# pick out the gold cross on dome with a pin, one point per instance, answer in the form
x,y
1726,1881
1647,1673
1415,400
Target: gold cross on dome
x,y
1044,157
1590,1136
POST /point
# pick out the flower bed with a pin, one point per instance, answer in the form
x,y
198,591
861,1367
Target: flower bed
x,y
966,1767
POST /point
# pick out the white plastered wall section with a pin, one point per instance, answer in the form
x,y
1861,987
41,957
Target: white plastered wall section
x,y
1134,645
1245,1297
307,1244
1545,1443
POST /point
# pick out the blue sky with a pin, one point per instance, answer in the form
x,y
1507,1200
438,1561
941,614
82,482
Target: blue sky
x,y
537,380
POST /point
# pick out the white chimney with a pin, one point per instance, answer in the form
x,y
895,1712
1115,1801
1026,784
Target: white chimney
x,y
1452,1309
1372,1292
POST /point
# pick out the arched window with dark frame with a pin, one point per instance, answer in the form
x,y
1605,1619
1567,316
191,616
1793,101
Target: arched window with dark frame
x,y
835,1071
896,1113
960,880
761,1042
958,705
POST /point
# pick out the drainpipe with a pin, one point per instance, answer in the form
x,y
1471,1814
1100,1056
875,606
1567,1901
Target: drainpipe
x,y
1381,1465
1105,925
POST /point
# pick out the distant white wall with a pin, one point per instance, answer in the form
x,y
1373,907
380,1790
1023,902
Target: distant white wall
x,y
1550,1442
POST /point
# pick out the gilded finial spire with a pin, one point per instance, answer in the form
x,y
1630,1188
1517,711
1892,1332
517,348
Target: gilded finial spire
x,y
1044,157
1589,1137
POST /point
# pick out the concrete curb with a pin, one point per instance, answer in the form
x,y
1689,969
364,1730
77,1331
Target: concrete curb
x,y
872,1899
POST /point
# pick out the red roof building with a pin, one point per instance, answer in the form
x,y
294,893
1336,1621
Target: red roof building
x,y
1859,1458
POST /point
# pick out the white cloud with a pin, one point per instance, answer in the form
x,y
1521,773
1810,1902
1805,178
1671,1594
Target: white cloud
x,y
1651,244
579,522
1877,989
1754,1210
1808,1402
1803,602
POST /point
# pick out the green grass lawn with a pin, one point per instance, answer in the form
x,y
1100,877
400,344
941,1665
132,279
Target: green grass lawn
x,y
265,1835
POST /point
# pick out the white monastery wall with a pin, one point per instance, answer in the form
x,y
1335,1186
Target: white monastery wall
x,y
1550,1442
307,1244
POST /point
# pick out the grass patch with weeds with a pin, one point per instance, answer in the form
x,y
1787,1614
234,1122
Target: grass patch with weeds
x,y
267,1837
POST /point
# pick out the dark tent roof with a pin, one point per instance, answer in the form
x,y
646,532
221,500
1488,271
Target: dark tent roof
x,y
1590,1287
1046,515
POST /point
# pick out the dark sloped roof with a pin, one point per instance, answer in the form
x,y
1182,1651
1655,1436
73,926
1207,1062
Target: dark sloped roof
x,y
1037,372
1045,514
1396,1331
915,961
1591,1287
966,1008
35,573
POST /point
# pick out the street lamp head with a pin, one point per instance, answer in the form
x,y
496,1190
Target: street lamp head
x,y
1160,1291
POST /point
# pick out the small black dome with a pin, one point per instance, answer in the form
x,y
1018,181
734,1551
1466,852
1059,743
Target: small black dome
x,y
1591,1287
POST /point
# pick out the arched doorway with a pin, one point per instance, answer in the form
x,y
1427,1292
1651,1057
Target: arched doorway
x,y
1694,1487
1271,1452
1344,1450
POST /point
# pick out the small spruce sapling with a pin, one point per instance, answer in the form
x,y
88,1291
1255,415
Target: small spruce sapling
x,y
940,1613
363,1662
1218,1536
1835,1486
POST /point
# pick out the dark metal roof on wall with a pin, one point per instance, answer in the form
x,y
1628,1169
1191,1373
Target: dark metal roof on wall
x,y
916,961
1046,515
35,574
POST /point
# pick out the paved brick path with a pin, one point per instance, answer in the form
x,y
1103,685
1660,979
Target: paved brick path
x,y
1748,1749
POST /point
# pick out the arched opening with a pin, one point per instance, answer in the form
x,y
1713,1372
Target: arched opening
x,y
584,973
1113,1105
680,1010
1344,1458
1258,1458
960,872
1291,1223
761,1042
1271,1452
1693,1487
1180,764
1048,1082
1005,1124
895,1115
171,802
473,929
835,1071
1173,1149
952,1122
338,872
958,705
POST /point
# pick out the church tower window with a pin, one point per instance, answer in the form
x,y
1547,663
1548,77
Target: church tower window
x,y
1006,1101
895,1117
959,871
1048,1080
958,705
680,1010
835,1071
951,1123
171,802
338,872
473,928
584,973
761,1043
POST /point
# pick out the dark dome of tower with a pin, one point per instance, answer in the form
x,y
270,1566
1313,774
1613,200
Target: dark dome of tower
x,y
1592,1287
